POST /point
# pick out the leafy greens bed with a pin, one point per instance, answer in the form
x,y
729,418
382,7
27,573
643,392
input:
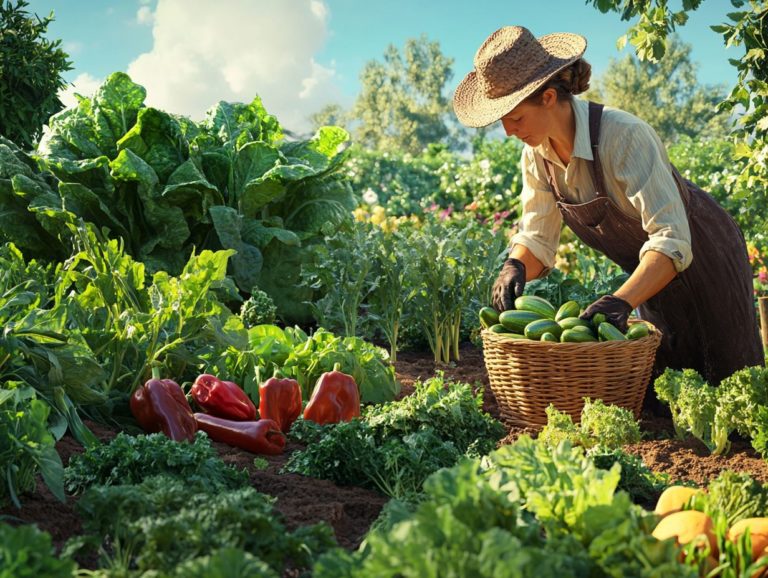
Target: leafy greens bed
x,y
165,185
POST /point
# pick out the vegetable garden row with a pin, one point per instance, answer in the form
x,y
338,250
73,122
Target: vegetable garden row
x,y
225,354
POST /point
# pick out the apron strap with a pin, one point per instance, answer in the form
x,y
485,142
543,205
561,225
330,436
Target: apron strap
x,y
595,167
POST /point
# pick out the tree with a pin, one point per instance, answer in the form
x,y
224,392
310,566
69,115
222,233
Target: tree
x,y
665,94
402,104
748,27
30,73
329,115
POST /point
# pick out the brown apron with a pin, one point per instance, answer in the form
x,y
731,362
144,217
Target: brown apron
x,y
706,313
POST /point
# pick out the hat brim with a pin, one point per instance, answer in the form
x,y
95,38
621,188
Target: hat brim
x,y
474,109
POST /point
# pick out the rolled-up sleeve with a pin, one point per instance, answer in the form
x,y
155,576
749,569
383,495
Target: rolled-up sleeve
x,y
640,166
539,227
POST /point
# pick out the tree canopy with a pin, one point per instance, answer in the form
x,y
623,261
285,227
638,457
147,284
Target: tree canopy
x,y
403,103
665,94
747,27
30,73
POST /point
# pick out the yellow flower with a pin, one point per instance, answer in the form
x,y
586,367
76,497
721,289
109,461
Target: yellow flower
x,y
360,214
378,215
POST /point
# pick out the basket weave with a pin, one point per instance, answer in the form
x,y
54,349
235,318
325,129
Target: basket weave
x,y
526,376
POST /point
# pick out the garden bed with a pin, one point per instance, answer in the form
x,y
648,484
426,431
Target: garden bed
x,y
350,511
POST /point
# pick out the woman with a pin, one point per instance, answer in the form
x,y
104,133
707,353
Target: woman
x,y
605,173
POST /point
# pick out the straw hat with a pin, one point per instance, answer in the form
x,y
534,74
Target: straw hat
x,y
509,67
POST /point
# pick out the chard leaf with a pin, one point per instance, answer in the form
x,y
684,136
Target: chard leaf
x,y
321,151
248,261
72,135
83,202
255,233
188,188
116,106
234,123
168,228
158,139
252,162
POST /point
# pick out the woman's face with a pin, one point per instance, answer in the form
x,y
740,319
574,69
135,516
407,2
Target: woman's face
x,y
529,122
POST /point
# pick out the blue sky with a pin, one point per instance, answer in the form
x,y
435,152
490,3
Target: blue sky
x,y
299,55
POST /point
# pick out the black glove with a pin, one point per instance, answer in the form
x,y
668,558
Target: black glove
x,y
509,285
615,309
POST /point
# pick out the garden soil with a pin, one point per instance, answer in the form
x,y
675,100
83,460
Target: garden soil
x,y
349,510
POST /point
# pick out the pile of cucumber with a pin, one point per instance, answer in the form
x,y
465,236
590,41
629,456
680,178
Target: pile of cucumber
x,y
536,319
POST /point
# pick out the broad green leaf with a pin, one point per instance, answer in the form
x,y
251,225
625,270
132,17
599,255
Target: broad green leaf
x,y
168,227
188,188
248,261
72,135
157,138
255,233
83,202
52,470
116,106
79,430
252,162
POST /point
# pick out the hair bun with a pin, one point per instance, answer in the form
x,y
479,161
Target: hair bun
x,y
581,72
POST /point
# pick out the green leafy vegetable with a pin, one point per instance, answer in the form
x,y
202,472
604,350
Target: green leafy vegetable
x,y
128,459
26,552
165,522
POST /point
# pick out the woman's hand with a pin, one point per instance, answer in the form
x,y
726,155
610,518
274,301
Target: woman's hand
x,y
654,272
509,285
615,309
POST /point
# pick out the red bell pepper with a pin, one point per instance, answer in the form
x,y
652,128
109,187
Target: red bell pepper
x,y
280,400
160,405
335,398
222,398
259,437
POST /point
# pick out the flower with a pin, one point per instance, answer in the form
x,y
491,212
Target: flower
x,y
370,196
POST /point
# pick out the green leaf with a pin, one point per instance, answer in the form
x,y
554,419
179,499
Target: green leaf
x,y
248,261
157,138
116,106
52,470
188,188
255,233
79,430
252,162
168,227
84,203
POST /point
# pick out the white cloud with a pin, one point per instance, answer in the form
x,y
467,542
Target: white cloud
x,y
84,85
72,47
233,50
145,15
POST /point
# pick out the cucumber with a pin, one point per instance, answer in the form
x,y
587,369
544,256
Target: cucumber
x,y
535,329
597,319
488,316
504,332
608,332
515,321
535,304
585,329
549,337
577,335
572,322
638,331
567,309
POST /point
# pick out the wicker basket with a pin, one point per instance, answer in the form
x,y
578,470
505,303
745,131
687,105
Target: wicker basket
x,y
526,376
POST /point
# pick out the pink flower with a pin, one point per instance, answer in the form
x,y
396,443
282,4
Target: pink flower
x,y
762,276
